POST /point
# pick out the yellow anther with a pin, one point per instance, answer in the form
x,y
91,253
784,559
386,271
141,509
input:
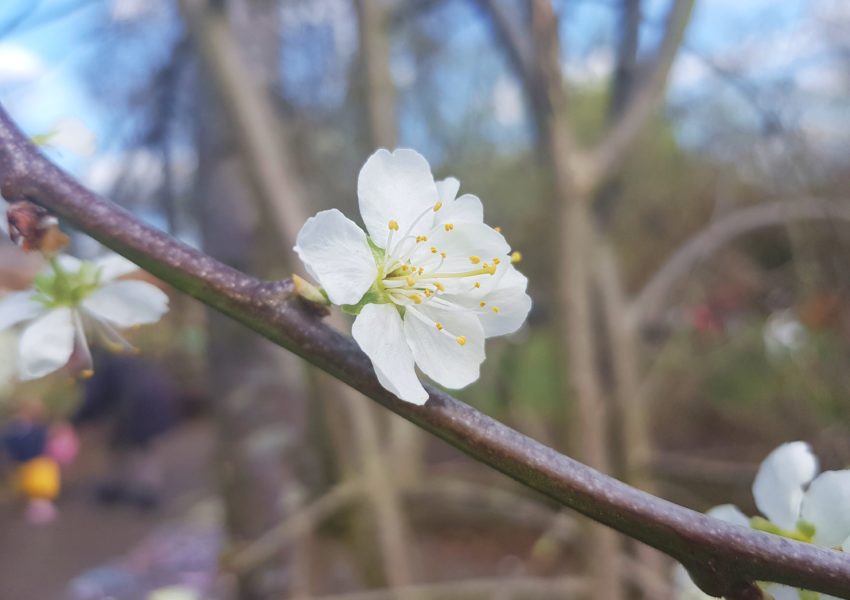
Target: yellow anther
x,y
421,238
516,257
482,304
498,229
439,286
497,261
428,293
86,374
410,281
421,270
448,226
443,254
495,309
461,339
433,250
438,206
439,326
489,269
405,268
417,299
478,284
393,225
475,259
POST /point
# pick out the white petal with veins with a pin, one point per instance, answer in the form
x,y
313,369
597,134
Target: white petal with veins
x,y
46,344
337,254
378,331
778,486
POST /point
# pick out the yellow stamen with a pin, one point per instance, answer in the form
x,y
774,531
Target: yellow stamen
x,y
516,257
410,281
443,254
498,229
438,206
417,299
448,226
405,268
393,225
421,238
439,286
439,326
461,339
482,304
421,270
86,374
428,293
478,284
495,309
433,250
475,259
496,261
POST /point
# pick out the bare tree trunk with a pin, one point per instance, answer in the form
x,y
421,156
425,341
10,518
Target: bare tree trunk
x,y
406,441
587,421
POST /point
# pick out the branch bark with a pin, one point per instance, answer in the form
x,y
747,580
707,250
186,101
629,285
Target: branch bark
x,y
724,558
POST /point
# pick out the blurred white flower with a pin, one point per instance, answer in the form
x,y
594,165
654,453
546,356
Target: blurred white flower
x,y
69,299
797,504
783,335
69,134
8,350
174,592
428,284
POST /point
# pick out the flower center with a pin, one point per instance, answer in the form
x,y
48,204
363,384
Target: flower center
x,y
61,288
411,284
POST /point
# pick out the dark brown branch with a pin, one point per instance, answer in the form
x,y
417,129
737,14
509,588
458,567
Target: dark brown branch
x,y
723,557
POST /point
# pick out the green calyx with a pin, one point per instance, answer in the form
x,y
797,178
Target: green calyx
x,y
60,288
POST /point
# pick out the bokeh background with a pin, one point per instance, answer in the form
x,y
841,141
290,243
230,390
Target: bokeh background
x,y
713,256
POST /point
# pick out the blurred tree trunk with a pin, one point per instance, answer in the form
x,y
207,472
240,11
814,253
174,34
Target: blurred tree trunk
x,y
596,337
406,441
279,191
253,433
587,423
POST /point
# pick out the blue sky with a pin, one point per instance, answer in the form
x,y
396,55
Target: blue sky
x,y
41,77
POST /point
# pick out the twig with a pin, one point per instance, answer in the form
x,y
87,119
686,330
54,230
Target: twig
x,y
722,556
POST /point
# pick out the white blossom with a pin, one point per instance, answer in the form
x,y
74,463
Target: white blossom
x,y
798,503
428,283
72,298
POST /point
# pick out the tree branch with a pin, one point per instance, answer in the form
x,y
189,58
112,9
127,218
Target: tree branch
x,y
651,299
724,558
614,146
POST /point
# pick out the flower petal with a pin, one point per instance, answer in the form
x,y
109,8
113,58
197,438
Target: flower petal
x,y
378,331
113,266
4,221
398,187
68,263
437,351
46,344
826,505
337,254
729,513
778,486
460,244
127,303
778,591
17,307
447,189
511,301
